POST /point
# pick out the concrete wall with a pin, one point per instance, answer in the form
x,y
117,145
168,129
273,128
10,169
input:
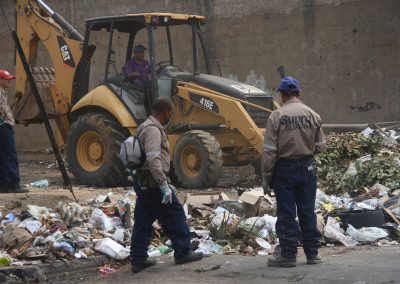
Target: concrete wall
x,y
345,52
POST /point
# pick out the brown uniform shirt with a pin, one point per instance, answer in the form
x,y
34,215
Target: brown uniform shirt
x,y
6,115
292,131
156,146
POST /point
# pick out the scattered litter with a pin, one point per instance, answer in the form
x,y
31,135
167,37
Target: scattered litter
x,y
31,225
332,231
111,248
107,269
263,243
159,251
212,268
358,202
40,184
369,234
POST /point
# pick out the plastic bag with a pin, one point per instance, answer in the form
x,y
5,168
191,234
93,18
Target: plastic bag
x,y
65,246
209,245
44,183
119,235
263,243
332,231
367,234
101,221
222,215
112,249
266,222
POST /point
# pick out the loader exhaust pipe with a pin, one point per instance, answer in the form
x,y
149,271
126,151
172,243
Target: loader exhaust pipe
x,y
71,31
281,71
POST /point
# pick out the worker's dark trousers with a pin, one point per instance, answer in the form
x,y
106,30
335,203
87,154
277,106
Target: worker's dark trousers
x,y
171,216
295,184
9,170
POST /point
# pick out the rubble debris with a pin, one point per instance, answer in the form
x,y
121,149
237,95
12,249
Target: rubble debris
x,y
370,234
360,218
111,248
107,269
358,202
208,198
333,231
40,184
344,149
212,268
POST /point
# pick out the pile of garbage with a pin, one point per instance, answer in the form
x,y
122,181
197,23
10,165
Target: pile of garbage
x,y
358,202
354,161
40,234
371,217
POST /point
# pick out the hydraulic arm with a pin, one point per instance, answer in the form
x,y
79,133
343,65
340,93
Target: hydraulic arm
x,y
37,23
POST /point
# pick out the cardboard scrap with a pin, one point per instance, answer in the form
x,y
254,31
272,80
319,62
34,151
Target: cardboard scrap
x,y
254,196
208,198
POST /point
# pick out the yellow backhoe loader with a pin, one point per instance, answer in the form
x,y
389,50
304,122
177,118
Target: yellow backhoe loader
x,y
216,121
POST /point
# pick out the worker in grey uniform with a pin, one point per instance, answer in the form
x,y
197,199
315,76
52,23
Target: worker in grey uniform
x,y
156,198
293,135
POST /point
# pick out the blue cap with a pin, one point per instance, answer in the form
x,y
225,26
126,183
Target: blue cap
x,y
139,48
289,85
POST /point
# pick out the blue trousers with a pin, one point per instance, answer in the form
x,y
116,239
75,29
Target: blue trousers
x,y
295,184
171,217
9,169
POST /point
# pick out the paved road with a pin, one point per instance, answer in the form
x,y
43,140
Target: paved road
x,y
365,265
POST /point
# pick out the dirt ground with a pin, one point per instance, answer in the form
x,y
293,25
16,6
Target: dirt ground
x,y
38,166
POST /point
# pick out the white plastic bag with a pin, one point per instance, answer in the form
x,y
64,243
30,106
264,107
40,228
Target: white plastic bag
x,y
367,234
119,235
101,221
222,215
112,249
263,243
266,222
332,231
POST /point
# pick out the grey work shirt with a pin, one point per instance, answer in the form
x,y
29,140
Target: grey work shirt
x,y
156,146
294,130
6,115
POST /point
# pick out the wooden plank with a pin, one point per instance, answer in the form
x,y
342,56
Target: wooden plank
x,y
392,216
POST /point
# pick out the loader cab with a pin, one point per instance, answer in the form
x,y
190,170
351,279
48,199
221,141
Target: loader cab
x,y
163,34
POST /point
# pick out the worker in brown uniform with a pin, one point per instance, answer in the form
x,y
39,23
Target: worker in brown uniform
x,y
156,198
293,135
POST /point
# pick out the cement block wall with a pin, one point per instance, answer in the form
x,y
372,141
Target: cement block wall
x,y
346,53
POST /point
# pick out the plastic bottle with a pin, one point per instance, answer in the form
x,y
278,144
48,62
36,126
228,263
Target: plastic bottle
x,y
159,251
40,184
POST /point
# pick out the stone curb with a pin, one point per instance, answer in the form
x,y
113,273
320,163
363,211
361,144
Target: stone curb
x,y
46,272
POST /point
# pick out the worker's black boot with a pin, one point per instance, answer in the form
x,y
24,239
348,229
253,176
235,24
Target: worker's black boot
x,y
277,260
314,260
16,188
137,267
190,257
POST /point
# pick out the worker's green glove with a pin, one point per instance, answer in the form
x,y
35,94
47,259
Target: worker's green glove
x,y
166,193
267,183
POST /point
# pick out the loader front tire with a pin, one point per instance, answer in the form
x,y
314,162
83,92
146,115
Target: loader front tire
x,y
93,146
197,159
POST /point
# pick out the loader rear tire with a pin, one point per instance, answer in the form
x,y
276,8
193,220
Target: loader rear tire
x,y
93,146
197,159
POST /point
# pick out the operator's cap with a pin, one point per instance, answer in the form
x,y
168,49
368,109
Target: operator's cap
x,y
139,48
4,74
289,85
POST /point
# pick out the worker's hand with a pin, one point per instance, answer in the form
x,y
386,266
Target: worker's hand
x,y
136,74
173,188
166,193
267,183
